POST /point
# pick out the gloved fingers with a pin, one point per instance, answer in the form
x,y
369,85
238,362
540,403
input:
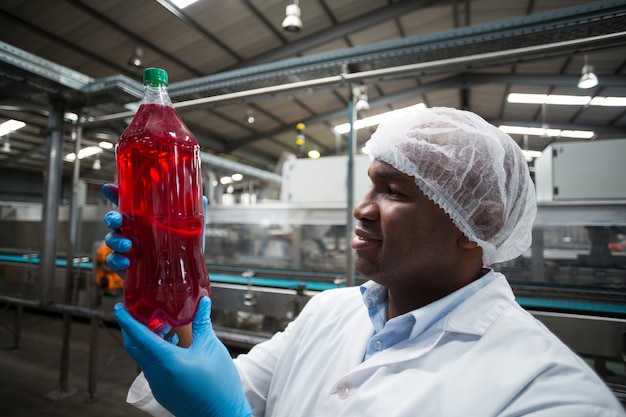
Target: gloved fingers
x,y
110,191
143,345
172,338
118,263
118,242
180,378
202,326
203,312
113,220
168,333
164,331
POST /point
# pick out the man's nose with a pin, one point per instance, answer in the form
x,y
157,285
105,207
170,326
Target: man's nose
x,y
365,209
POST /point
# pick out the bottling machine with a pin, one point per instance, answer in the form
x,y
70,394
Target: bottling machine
x,y
266,260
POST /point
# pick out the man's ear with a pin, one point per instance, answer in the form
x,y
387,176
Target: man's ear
x,y
464,242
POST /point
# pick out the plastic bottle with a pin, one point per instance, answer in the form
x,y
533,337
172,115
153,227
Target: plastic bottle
x,y
160,198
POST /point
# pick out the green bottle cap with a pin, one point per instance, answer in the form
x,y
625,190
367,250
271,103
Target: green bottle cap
x,y
154,77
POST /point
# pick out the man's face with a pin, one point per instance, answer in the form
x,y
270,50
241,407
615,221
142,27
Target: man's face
x,y
403,240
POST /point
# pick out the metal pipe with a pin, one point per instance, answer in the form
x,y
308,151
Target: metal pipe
x,y
77,311
219,162
425,67
73,220
93,359
350,278
189,104
52,192
69,269
17,326
510,54
99,315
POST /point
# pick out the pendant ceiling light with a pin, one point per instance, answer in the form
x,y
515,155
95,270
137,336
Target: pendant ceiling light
x,y
588,78
293,22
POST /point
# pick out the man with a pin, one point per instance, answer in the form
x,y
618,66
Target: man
x,y
433,333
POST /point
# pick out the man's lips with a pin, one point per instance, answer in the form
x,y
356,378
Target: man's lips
x,y
364,239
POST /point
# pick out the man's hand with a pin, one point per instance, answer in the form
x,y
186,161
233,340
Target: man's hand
x,y
199,381
121,245
114,240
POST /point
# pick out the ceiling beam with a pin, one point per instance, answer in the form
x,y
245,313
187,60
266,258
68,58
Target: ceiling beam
x,y
169,6
456,81
141,41
65,43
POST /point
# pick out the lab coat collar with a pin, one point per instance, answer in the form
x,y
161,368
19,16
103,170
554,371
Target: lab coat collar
x,y
478,313
473,316
483,306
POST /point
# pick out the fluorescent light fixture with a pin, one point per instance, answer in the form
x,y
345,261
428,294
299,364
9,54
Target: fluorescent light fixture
x,y
226,180
377,119
237,177
84,153
577,134
608,101
566,100
540,131
181,4
132,106
530,155
314,154
10,125
105,145
73,117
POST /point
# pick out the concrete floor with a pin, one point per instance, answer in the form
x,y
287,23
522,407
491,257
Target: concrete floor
x,y
30,374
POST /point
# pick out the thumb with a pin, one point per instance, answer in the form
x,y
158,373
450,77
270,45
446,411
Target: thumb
x,y
202,326
110,191
143,345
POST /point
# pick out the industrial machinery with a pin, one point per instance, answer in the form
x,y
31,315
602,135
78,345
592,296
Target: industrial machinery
x,y
107,281
267,260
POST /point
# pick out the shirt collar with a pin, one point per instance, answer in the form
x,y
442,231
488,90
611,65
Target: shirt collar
x,y
375,299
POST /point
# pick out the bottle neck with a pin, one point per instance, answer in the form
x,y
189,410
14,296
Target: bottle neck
x,y
156,95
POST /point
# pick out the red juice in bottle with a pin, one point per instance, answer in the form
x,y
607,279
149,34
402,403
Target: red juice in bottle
x,y
160,199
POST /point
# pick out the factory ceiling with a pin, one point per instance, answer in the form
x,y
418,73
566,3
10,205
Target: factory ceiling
x,y
229,60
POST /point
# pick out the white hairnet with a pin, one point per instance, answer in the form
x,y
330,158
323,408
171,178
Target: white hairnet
x,y
474,171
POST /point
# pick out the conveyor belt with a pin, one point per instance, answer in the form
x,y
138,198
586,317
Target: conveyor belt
x,y
272,282
24,259
530,303
568,306
215,277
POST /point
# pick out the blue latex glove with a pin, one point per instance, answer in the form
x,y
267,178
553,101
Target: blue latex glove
x,y
120,244
199,381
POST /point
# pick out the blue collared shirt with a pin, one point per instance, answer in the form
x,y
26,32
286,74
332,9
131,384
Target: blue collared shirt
x,y
390,332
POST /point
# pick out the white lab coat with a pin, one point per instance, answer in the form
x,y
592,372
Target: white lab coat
x,y
488,357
